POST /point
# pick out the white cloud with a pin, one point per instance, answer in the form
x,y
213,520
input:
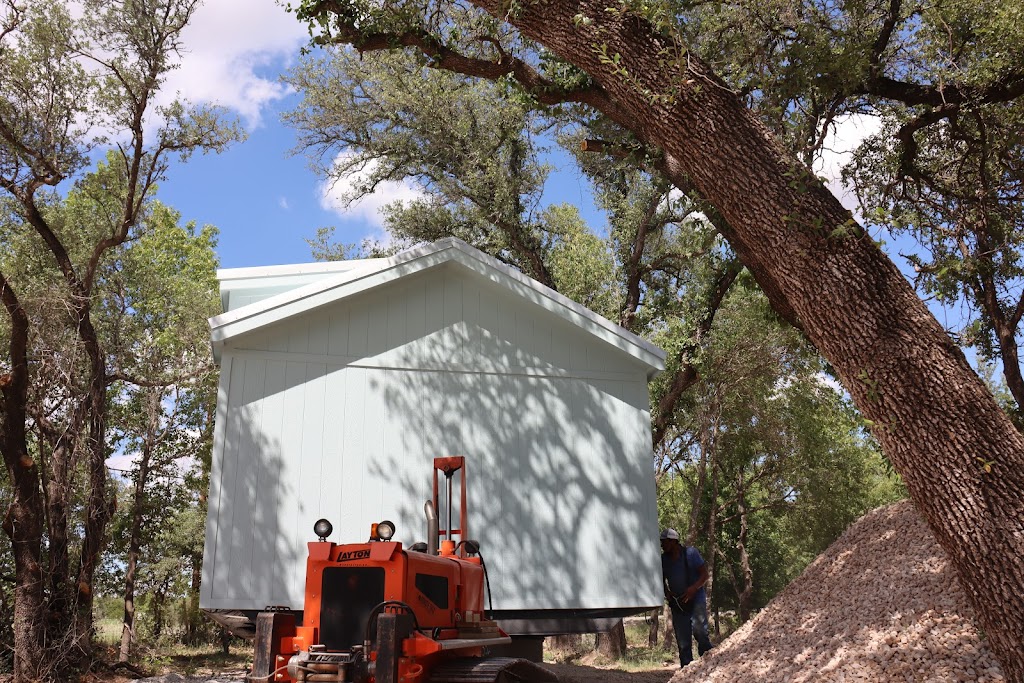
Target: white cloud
x,y
848,133
831,383
283,203
334,193
226,44
121,461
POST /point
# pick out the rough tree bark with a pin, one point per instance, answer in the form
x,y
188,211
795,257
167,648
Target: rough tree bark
x,y
612,643
960,456
23,522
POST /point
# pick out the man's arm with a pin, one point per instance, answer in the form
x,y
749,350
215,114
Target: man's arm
x,y
702,578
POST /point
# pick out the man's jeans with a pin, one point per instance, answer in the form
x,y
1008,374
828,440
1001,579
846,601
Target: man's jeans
x,y
691,626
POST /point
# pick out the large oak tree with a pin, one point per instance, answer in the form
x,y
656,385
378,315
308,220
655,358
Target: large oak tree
x,y
72,84
960,456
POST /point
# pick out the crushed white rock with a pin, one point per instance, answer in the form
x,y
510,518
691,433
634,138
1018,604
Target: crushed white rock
x,y
881,604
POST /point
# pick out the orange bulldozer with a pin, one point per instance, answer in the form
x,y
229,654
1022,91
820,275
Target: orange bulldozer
x,y
376,612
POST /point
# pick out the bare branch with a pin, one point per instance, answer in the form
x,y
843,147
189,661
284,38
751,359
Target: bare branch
x,y
157,383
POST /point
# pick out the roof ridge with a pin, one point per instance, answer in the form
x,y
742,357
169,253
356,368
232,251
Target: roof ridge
x,y
420,257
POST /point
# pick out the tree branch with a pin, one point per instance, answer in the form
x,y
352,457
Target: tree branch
x,y
444,57
884,36
908,145
148,383
1007,88
687,374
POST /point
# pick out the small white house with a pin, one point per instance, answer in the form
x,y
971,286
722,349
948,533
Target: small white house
x,y
340,382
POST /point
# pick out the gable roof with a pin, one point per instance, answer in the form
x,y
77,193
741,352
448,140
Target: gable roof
x,y
242,286
330,283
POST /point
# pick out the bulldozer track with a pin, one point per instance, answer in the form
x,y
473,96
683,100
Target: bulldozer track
x,y
492,670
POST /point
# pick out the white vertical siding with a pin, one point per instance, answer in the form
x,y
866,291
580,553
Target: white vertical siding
x,y
217,494
340,412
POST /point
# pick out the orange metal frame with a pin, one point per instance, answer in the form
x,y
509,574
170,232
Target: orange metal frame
x,y
465,580
449,466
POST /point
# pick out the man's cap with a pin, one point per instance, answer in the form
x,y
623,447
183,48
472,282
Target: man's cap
x,y
670,533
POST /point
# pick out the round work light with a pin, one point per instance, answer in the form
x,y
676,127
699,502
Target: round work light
x,y
385,530
322,529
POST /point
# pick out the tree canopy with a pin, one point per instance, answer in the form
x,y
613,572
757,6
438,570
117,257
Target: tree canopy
x,y
659,267
640,66
73,86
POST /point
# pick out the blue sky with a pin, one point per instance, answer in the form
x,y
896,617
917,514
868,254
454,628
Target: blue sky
x,y
264,200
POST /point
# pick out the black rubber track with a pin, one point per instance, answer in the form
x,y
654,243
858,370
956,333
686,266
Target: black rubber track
x,y
491,670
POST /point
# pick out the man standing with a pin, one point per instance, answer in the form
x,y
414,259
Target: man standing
x,y
685,574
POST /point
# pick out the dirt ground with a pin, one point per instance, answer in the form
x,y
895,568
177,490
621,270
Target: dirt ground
x,y
567,673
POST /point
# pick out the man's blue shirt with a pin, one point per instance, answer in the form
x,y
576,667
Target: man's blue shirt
x,y
675,571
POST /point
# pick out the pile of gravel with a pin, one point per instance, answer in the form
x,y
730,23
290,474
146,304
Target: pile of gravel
x,y
881,604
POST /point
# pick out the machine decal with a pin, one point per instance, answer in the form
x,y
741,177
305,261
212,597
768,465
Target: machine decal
x,y
429,606
353,555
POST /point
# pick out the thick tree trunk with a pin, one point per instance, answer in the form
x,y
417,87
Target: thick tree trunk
x,y
668,641
961,457
24,526
23,522
747,587
654,624
612,644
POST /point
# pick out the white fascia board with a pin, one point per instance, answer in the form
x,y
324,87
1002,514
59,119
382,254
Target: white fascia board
x,y
240,281
329,290
298,301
